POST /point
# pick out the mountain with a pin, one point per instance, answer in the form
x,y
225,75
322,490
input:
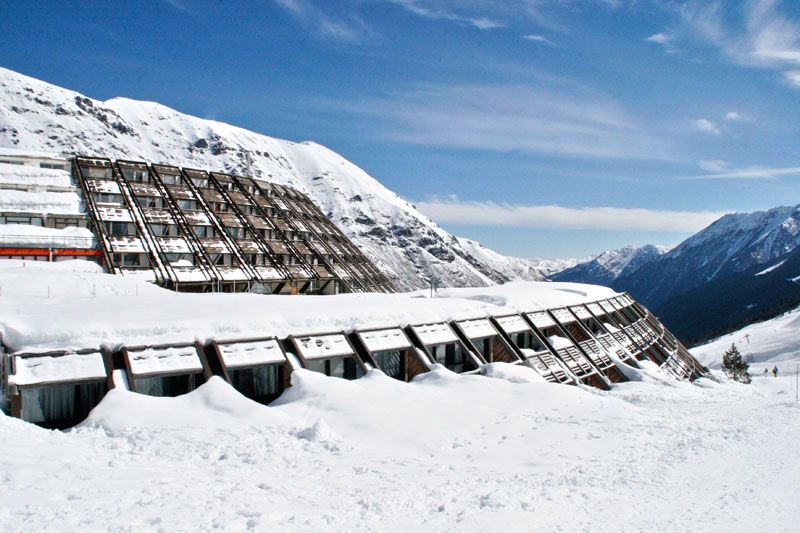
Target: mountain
x,y
516,268
608,266
405,244
743,267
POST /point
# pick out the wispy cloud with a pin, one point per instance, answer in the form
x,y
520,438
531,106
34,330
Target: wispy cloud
x,y
766,37
714,165
574,123
455,211
733,115
181,7
706,126
444,10
340,27
538,39
745,173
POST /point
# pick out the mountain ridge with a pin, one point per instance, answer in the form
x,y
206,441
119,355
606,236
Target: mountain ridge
x,y
405,244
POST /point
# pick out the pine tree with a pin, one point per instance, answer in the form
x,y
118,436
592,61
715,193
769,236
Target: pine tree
x,y
735,366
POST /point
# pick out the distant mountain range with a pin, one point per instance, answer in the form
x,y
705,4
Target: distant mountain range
x,y
608,266
743,267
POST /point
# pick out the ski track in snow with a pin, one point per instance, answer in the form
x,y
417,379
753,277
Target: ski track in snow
x,y
444,453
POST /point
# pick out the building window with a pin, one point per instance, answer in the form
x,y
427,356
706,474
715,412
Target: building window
x,y
54,166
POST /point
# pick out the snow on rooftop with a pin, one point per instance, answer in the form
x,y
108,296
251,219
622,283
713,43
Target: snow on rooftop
x,y
323,346
17,152
87,308
478,328
512,324
431,334
58,368
245,354
385,339
152,361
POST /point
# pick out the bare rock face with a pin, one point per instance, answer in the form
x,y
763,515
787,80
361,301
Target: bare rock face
x,y
405,244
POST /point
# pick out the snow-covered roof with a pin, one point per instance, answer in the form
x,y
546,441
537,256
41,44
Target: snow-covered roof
x,y
541,319
169,360
581,312
596,308
384,339
512,324
57,368
323,346
563,315
477,328
431,334
251,353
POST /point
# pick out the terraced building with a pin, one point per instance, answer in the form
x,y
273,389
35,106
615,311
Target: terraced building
x,y
194,230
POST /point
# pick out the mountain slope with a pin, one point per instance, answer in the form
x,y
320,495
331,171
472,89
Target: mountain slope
x,y
741,268
734,244
405,244
608,266
516,268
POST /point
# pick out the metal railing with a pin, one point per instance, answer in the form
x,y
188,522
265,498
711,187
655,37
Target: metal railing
x,y
44,241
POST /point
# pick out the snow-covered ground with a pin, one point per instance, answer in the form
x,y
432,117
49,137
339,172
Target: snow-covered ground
x,y
498,451
446,452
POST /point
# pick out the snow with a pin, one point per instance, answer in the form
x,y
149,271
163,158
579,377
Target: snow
x,y
243,354
432,334
33,176
38,236
151,361
541,319
478,328
770,269
385,339
73,305
443,453
323,346
558,342
43,202
762,344
512,324
42,369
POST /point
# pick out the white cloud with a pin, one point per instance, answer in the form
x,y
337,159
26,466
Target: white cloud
x,y
733,115
705,125
570,122
747,173
484,23
341,28
792,77
714,165
454,211
660,38
765,38
537,38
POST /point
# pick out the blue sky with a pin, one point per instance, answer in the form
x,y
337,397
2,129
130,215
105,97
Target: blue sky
x,y
540,128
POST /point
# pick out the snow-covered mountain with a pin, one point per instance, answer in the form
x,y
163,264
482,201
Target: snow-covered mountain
x,y
733,244
743,267
609,265
516,268
405,244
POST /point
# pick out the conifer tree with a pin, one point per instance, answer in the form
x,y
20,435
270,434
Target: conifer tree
x,y
735,366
